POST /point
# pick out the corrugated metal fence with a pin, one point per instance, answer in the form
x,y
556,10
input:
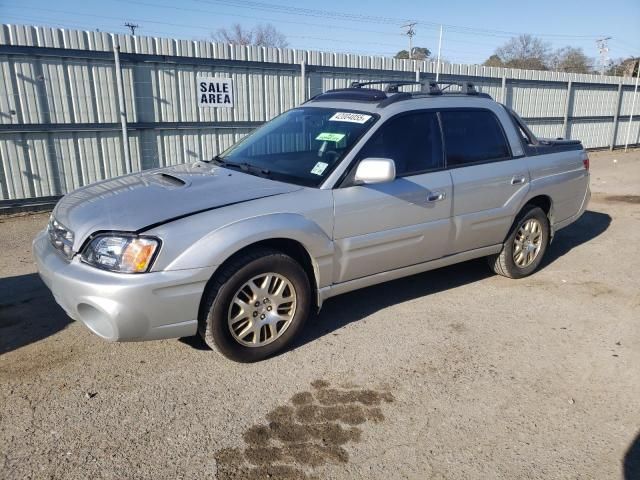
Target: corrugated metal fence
x,y
62,123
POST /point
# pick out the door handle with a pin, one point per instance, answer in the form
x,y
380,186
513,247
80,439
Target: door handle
x,y
518,180
436,196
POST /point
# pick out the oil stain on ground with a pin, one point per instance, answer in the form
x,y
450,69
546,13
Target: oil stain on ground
x,y
310,431
623,198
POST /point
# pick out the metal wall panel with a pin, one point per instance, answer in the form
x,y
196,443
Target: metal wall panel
x,y
44,90
627,101
592,133
633,129
594,100
535,100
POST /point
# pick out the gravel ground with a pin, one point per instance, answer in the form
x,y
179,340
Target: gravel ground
x,y
454,373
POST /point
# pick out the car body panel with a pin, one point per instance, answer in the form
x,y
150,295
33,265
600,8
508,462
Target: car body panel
x,y
148,306
135,201
208,238
562,177
391,225
485,201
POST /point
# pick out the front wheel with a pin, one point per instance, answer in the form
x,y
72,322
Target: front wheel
x,y
256,305
525,246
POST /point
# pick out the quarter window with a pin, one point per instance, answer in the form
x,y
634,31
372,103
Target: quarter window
x,y
473,136
412,141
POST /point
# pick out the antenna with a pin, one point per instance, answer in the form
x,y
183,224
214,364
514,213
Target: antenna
x,y
132,26
410,33
603,49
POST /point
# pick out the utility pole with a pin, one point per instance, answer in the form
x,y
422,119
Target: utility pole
x,y
603,49
439,49
633,107
132,26
410,33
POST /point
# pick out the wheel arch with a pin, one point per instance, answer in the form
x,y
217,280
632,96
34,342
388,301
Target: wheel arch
x,y
543,201
293,248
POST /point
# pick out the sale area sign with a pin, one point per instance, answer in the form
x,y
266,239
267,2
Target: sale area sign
x,y
215,92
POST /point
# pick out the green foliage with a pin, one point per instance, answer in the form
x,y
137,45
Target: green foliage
x,y
419,53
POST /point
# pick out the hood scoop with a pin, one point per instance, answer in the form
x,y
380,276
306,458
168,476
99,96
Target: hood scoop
x,y
167,180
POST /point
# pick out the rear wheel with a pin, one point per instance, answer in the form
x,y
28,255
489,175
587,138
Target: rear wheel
x,y
256,305
525,246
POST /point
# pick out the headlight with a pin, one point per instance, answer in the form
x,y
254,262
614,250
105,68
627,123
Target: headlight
x,y
121,253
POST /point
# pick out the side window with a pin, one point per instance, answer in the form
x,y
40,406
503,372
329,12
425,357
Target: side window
x,y
412,141
473,136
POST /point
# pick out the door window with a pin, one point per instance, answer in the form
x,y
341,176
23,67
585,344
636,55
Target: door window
x,y
412,141
473,136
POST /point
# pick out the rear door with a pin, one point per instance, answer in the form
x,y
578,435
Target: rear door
x,y
488,182
396,224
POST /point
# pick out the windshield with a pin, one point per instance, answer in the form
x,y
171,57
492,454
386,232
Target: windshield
x,y
300,146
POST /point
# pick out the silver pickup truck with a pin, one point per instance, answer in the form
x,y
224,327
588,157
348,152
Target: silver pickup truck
x,y
355,187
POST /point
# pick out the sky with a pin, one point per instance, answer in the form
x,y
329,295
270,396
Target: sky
x,y
472,30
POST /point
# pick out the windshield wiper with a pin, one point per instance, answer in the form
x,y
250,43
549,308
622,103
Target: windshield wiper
x,y
244,166
247,167
218,160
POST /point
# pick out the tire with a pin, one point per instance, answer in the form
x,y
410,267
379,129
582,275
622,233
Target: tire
x,y
223,321
509,265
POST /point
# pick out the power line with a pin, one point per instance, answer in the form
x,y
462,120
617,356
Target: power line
x,y
263,19
467,53
451,29
288,9
336,15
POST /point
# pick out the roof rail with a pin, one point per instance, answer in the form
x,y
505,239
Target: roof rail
x,y
352,94
466,88
392,87
356,93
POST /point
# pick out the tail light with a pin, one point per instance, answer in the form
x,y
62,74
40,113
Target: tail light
x,y
585,161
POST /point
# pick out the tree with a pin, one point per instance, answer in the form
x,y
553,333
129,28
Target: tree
x,y
267,36
625,67
419,53
262,35
571,60
493,61
524,51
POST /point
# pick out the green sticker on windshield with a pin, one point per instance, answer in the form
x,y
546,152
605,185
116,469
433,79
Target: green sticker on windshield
x,y
330,137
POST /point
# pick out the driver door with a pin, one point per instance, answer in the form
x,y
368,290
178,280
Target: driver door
x,y
391,225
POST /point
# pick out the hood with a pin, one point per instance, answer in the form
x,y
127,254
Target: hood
x,y
138,201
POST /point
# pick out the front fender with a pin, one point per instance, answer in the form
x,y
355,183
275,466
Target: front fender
x,y
217,246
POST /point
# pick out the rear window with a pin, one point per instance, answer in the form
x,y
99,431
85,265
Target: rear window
x,y
473,136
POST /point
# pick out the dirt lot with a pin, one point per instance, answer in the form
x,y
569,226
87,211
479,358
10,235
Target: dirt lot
x,y
454,373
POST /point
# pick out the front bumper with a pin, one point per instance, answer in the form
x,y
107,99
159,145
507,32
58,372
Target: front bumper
x,y
123,307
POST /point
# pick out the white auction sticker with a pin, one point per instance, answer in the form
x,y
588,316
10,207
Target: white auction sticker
x,y
319,168
350,117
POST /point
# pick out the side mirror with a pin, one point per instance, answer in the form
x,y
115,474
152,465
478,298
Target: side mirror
x,y
375,170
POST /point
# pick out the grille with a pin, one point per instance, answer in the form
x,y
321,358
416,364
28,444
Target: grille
x,y
61,238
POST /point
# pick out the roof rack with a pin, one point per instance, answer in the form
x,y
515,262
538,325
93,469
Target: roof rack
x,y
352,94
466,88
356,93
392,85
